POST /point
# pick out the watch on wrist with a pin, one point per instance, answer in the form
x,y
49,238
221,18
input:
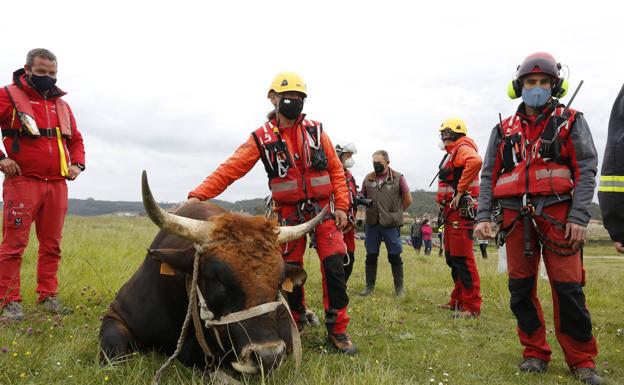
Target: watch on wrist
x,y
80,166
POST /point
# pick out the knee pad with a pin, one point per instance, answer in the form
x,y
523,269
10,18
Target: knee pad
x,y
395,259
371,259
295,298
574,318
522,305
335,281
461,271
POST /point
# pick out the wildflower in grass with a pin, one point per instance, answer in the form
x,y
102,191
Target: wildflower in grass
x,y
5,349
29,330
28,353
15,354
106,378
22,375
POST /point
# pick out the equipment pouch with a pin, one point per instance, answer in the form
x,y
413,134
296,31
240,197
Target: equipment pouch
x,y
318,158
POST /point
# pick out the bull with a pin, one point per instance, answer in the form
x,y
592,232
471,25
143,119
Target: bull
x,y
240,268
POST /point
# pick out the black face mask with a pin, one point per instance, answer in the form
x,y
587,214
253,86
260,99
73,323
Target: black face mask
x,y
379,168
42,83
290,107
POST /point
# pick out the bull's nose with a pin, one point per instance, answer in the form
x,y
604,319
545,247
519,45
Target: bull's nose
x,y
270,356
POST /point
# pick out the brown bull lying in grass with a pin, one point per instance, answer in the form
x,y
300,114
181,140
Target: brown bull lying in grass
x,y
240,267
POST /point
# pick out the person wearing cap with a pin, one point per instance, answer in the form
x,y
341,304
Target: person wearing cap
x,y
345,152
539,177
458,187
305,175
611,190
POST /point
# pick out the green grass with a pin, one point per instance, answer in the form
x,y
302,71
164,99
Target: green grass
x,y
406,341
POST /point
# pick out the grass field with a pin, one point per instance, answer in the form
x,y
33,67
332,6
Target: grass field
x,y
406,341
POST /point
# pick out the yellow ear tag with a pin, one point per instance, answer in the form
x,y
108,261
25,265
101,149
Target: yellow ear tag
x,y
166,269
288,285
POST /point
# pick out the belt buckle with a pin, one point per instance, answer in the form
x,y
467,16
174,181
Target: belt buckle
x,y
455,224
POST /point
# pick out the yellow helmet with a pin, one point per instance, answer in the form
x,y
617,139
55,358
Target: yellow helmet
x,y
454,124
288,81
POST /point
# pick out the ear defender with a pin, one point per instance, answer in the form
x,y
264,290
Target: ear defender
x,y
561,88
514,89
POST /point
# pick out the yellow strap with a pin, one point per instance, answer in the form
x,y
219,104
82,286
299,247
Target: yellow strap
x,y
13,118
64,166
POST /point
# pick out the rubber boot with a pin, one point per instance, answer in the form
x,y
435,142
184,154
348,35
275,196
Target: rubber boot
x,y
371,277
397,274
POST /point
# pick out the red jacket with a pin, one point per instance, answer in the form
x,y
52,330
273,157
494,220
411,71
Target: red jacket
x,y
39,157
462,163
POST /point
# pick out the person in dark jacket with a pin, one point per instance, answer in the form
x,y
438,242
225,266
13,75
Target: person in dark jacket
x,y
611,190
540,167
416,236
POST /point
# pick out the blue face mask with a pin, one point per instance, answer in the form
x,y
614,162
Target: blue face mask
x,y
536,97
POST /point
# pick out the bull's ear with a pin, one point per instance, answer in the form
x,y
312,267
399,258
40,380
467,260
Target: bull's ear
x,y
295,274
179,259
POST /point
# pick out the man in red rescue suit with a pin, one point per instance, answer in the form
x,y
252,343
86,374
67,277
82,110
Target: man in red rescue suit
x,y
458,187
540,168
305,175
43,149
345,153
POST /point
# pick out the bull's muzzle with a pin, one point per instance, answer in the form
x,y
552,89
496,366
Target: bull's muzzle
x,y
256,358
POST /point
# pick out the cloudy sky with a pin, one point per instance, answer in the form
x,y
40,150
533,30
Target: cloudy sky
x,y
174,87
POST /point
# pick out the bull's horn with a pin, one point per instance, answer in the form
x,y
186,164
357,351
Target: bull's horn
x,y
192,229
290,233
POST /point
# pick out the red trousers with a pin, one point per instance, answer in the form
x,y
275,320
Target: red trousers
x,y
349,240
28,200
330,248
466,294
572,320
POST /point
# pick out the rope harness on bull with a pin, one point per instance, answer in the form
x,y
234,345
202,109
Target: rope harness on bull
x,y
204,314
187,319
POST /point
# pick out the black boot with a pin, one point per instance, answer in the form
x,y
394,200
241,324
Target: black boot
x,y
397,274
371,277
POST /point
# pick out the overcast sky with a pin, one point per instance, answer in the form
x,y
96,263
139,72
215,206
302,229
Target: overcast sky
x,y
174,87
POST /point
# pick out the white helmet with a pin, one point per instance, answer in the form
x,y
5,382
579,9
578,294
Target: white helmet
x,y
343,147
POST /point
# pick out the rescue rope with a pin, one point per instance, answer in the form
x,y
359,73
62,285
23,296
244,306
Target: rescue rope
x,y
187,319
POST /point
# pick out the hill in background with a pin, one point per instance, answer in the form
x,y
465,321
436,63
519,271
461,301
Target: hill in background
x,y
423,203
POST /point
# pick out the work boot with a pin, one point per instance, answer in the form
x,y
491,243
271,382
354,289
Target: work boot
x,y
52,305
397,274
533,365
342,343
12,311
371,277
587,376
464,314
